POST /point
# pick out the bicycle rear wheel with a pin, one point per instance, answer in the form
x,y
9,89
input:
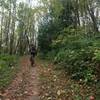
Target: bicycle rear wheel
x,y
32,61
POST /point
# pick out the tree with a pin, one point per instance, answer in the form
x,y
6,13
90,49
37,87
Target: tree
x,y
16,28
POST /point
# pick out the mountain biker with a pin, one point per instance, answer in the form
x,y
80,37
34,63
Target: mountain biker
x,y
33,53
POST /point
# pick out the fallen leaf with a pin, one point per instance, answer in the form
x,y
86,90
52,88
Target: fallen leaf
x,y
58,92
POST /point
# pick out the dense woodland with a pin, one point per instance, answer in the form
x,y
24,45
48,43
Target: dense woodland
x,y
17,26
65,32
69,35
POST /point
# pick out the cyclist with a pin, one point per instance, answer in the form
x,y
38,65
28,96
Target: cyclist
x,y
33,53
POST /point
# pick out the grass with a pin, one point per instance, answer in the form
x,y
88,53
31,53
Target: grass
x,y
8,69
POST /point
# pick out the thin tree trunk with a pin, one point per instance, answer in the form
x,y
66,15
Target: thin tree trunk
x,y
1,30
91,12
13,29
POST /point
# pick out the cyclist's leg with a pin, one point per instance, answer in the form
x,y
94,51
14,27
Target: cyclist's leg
x,y
32,60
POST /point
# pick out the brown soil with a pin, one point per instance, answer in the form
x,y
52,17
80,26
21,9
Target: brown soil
x,y
26,85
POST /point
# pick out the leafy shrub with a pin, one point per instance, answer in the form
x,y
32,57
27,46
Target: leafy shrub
x,y
79,58
77,53
97,55
76,62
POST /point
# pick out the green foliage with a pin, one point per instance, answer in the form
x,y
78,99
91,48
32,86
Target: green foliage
x,y
8,67
63,40
76,62
76,53
44,43
53,22
97,55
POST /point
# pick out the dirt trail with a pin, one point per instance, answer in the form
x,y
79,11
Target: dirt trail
x,y
25,86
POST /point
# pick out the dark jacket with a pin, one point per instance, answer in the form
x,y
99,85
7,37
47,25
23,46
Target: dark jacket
x,y
33,51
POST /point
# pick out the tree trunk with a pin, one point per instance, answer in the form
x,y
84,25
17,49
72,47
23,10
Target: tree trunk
x,y
1,30
13,29
91,12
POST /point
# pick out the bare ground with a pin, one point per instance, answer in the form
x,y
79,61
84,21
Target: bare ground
x,y
26,85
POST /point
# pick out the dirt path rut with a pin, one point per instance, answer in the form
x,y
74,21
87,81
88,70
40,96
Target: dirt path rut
x,y
26,85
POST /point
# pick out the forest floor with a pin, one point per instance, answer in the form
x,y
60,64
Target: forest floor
x,y
45,82
56,84
25,85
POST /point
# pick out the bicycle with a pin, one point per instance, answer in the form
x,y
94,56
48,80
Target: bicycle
x,y
32,60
